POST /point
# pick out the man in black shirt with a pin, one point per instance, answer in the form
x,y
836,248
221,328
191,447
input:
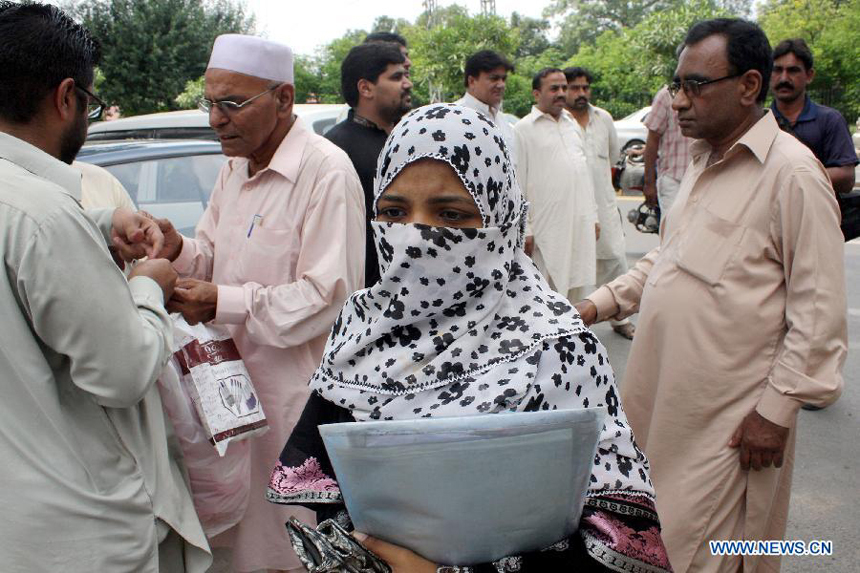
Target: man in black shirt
x,y
375,84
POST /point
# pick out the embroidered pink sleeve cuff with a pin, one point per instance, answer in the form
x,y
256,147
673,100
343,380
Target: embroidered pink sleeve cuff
x,y
182,264
231,305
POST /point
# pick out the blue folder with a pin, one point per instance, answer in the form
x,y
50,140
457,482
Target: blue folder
x,y
467,490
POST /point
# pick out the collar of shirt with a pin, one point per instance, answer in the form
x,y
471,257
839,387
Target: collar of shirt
x,y
809,112
758,139
41,164
471,101
354,117
288,156
537,114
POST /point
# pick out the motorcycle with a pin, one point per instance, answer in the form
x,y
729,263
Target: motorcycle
x,y
629,176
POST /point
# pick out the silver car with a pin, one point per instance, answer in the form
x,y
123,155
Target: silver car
x,y
169,178
631,129
194,124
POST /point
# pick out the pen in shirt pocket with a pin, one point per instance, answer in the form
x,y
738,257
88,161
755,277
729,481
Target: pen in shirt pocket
x,y
256,220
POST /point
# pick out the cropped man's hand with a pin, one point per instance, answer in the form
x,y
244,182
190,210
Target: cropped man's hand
x,y
761,442
587,311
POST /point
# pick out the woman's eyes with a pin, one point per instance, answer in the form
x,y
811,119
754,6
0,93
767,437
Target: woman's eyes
x,y
392,212
451,215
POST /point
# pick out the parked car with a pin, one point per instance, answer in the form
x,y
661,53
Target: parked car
x,y
169,178
631,131
194,124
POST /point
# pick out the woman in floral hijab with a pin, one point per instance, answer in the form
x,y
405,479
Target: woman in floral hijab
x,y
460,324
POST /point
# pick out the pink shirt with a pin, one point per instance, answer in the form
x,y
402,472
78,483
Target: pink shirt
x,y
673,155
280,287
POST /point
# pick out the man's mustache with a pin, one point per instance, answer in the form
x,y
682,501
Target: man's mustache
x,y
581,100
784,85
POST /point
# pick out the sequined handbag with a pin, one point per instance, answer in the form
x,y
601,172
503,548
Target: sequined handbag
x,y
330,549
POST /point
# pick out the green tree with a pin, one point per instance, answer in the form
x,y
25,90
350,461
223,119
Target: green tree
x,y
328,65
439,54
533,35
389,24
584,20
631,64
153,49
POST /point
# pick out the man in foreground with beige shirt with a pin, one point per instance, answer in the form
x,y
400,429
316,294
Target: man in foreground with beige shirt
x,y
87,484
742,309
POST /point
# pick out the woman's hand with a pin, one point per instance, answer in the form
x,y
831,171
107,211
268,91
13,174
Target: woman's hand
x,y
401,560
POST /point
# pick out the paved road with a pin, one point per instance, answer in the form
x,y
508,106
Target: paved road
x,y
826,493
825,500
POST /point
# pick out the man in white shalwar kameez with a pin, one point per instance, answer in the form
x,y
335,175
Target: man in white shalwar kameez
x,y
555,179
601,151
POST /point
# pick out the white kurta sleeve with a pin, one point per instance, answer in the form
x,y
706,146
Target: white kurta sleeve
x,y
805,228
614,151
115,335
522,170
329,268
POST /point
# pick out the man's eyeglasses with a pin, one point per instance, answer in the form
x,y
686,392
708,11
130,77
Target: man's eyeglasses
x,y
692,88
227,106
95,105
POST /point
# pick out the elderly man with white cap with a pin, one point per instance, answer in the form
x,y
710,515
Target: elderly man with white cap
x,y
278,250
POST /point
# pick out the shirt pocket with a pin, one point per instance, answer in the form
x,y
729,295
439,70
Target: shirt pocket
x,y
269,256
709,246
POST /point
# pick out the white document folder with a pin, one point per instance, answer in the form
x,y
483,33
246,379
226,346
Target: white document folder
x,y
462,491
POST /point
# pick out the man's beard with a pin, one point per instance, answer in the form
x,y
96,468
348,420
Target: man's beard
x,y
393,114
73,139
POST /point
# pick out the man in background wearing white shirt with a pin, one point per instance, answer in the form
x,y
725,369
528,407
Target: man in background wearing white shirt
x,y
486,75
553,173
601,150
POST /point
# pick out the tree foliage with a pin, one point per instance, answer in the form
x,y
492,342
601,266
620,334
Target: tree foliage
x,y
631,64
153,49
439,53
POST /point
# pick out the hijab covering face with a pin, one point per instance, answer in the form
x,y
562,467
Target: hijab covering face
x,y
460,319
452,303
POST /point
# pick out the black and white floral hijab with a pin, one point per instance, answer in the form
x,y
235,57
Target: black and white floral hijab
x,y
462,322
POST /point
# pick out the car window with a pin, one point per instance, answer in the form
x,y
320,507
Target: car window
x,y
323,125
190,178
129,175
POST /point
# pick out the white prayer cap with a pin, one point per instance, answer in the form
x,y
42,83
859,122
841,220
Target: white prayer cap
x,y
252,56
